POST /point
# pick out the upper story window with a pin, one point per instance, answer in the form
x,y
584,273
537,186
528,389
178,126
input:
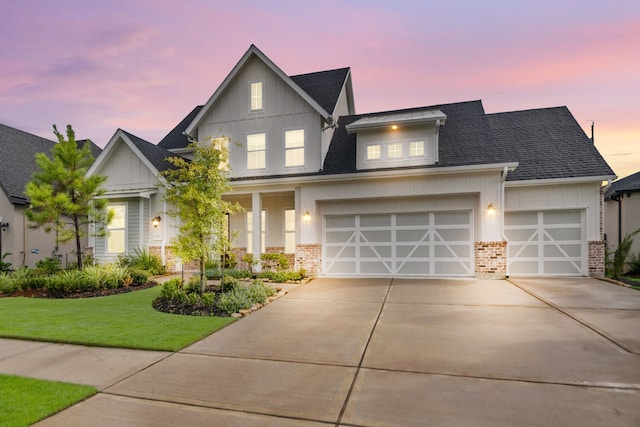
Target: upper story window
x,y
256,151
294,147
416,148
373,152
256,96
222,144
394,151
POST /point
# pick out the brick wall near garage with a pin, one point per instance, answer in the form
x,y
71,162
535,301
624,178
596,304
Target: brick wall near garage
x,y
596,258
309,257
170,259
491,260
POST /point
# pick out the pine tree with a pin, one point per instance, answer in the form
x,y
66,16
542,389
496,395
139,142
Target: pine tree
x,y
194,188
62,197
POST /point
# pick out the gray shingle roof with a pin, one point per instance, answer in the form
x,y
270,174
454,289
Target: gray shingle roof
x,y
155,154
323,86
548,143
630,184
175,138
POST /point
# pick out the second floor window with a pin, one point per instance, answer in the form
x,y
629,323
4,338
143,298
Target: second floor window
x,y
294,147
256,96
256,151
373,152
394,151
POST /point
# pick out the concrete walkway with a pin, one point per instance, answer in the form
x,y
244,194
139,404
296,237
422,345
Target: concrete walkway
x,y
382,352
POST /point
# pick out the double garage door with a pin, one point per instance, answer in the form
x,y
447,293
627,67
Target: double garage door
x,y
400,244
547,243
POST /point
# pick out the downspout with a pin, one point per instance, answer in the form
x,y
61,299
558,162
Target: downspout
x,y
503,178
163,256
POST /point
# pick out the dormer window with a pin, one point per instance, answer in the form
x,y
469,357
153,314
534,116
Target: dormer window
x,y
256,96
397,139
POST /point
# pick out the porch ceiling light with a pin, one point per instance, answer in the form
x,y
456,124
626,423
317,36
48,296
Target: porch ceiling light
x,y
491,210
156,221
306,217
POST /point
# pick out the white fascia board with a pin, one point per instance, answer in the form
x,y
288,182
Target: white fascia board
x,y
145,193
557,181
396,173
253,50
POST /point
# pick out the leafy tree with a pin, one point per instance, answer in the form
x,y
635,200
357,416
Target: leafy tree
x,y
62,197
194,190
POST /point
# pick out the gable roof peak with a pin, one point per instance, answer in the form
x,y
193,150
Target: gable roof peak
x,y
251,52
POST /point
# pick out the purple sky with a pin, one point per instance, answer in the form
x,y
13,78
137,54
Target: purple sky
x,y
142,65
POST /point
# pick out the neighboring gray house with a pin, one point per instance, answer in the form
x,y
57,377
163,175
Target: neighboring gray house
x,y
17,166
441,190
622,211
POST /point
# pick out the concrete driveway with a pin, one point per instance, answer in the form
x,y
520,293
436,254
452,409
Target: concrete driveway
x,y
382,352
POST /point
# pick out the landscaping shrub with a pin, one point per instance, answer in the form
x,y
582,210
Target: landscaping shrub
x,y
634,264
139,277
49,266
142,260
7,284
228,283
234,300
258,292
173,290
274,262
114,276
93,276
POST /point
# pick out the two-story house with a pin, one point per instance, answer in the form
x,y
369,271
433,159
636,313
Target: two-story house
x,y
443,190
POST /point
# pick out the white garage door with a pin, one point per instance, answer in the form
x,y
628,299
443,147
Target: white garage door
x,y
546,243
407,244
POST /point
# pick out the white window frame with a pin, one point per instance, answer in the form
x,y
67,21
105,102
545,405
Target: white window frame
x,y
289,231
416,150
253,153
368,152
395,150
113,228
294,146
256,96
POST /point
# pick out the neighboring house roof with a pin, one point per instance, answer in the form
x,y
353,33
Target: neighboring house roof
x,y
17,162
95,150
547,143
176,138
629,184
253,51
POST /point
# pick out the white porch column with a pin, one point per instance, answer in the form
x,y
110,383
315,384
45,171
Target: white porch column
x,y
256,223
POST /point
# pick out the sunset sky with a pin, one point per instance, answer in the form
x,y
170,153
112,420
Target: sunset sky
x,y
142,65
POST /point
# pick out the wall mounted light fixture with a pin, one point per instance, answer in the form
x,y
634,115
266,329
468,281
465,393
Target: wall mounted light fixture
x,y
491,210
306,217
156,221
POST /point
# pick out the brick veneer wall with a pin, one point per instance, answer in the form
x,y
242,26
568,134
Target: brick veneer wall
x,y
170,259
596,258
491,259
309,257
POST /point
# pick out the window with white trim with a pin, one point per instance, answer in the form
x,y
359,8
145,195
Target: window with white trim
x,y
222,144
116,229
263,233
373,152
394,151
294,148
289,231
256,96
416,148
256,151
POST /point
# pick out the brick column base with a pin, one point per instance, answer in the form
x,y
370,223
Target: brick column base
x,y
491,260
596,258
309,257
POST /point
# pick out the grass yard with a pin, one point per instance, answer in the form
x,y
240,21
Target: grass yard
x,y
23,401
126,320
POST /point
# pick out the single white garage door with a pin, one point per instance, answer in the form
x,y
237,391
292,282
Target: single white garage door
x,y
402,244
546,243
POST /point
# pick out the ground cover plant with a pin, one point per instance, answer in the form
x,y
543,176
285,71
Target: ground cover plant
x,y
24,401
126,320
229,297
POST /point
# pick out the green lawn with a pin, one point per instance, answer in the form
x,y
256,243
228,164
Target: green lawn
x,y
126,320
23,401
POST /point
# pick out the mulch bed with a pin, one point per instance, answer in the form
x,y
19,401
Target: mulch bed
x,y
45,293
175,307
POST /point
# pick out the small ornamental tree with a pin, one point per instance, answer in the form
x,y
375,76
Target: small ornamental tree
x,y
194,190
62,197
